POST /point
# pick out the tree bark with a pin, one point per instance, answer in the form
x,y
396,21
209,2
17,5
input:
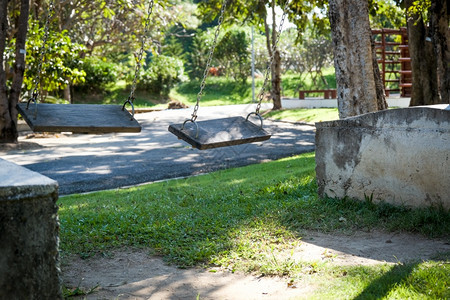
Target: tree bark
x,y
276,80
8,101
275,92
423,61
441,41
359,86
6,124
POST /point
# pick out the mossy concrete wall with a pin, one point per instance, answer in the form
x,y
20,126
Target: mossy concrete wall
x,y
401,156
29,227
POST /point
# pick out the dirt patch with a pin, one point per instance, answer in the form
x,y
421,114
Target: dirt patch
x,y
133,274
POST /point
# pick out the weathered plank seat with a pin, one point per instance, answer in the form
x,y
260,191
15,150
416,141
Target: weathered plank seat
x,y
219,132
79,118
328,94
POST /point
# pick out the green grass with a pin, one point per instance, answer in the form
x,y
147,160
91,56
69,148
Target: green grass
x,y
118,94
292,83
218,91
415,280
225,91
304,115
251,219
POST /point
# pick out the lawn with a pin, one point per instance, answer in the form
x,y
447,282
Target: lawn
x,y
225,91
248,223
218,91
304,115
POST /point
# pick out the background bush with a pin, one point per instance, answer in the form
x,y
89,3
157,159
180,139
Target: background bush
x,y
100,74
160,75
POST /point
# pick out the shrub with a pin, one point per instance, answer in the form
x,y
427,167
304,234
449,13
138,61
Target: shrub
x,y
233,53
161,75
99,75
61,65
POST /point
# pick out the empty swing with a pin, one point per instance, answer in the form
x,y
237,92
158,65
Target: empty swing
x,y
229,131
81,118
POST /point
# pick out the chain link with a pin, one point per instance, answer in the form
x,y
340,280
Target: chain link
x,y
269,67
140,53
42,52
208,62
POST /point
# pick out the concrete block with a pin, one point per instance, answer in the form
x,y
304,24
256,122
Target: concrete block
x,y
29,228
290,103
401,156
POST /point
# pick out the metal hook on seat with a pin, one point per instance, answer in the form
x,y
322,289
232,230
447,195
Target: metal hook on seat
x,y
196,125
256,114
132,107
33,98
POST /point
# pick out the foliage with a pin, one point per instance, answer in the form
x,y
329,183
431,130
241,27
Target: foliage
x,y
106,26
233,53
100,74
419,8
173,47
161,74
385,14
198,53
61,65
313,54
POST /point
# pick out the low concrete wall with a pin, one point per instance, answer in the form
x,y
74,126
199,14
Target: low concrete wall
x,y
401,156
29,230
330,103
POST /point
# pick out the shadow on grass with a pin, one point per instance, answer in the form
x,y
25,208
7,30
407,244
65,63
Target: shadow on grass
x,y
380,287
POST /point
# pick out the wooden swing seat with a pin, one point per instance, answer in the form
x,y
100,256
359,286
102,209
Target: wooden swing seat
x,y
219,132
78,118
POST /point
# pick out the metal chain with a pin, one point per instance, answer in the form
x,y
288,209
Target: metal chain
x,y
140,54
208,62
42,52
269,67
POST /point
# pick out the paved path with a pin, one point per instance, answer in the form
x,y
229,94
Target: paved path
x,y
82,163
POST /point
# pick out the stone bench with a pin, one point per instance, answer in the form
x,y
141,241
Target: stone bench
x,y
29,228
401,156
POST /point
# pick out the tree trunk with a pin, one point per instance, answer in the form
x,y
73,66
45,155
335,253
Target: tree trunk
x,y
6,125
8,101
359,86
276,63
441,41
423,61
276,80
379,86
67,95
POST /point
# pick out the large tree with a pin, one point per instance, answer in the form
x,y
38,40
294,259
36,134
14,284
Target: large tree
x,y
429,46
359,86
258,12
9,96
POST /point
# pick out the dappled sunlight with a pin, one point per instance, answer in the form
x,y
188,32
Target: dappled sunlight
x,y
72,208
138,275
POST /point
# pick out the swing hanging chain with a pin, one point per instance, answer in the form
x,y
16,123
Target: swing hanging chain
x,y
269,67
138,58
42,53
208,62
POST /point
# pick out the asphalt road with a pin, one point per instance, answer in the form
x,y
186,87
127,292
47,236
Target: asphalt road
x,y
83,163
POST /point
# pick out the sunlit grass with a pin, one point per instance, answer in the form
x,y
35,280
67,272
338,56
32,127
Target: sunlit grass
x,y
304,115
205,219
251,219
414,280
